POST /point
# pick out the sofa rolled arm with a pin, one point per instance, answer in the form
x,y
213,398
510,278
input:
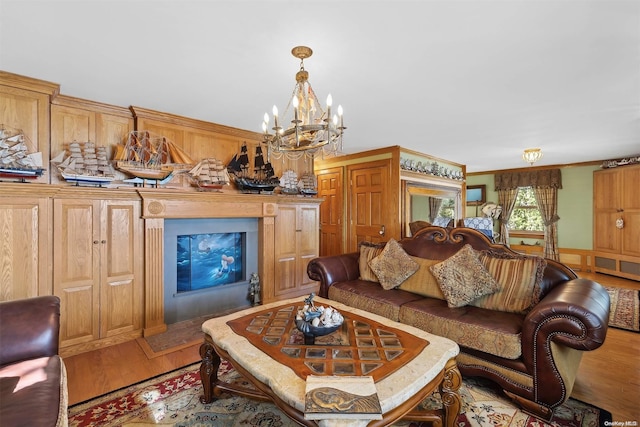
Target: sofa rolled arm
x,y
29,328
574,313
333,269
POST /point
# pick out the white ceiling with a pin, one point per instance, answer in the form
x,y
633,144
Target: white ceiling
x,y
474,82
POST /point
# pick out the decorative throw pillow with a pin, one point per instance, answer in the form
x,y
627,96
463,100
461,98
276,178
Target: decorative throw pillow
x,y
423,281
368,251
463,278
519,277
393,266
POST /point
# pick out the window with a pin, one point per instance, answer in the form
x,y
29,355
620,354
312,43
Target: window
x,y
526,217
448,208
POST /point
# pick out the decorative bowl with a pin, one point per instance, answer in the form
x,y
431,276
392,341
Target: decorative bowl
x,y
310,332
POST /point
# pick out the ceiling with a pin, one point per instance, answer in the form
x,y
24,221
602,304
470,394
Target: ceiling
x,y
473,82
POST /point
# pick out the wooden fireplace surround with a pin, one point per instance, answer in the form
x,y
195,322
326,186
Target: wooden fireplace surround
x,y
160,204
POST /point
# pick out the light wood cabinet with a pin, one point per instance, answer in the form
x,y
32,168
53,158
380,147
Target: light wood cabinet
x,y
97,274
296,243
25,255
616,221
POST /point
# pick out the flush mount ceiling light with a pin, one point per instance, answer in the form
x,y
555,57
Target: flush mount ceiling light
x,y
311,130
532,155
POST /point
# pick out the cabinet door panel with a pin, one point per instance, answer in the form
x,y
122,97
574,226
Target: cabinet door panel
x,y
20,248
120,298
631,234
308,244
606,237
76,273
286,250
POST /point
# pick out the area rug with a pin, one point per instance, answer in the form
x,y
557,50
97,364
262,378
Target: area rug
x,y
625,308
173,400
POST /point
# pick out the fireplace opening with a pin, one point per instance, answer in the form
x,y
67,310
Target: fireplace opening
x,y
207,266
208,260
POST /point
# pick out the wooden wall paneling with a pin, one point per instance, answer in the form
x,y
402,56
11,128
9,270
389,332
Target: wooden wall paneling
x,y
75,119
24,104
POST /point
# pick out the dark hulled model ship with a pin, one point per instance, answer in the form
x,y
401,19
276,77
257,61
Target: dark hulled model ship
x,y
262,180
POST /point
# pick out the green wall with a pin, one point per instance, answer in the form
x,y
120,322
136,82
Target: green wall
x,y
575,205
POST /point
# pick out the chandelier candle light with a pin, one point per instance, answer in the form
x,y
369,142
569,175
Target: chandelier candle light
x,y
532,155
312,129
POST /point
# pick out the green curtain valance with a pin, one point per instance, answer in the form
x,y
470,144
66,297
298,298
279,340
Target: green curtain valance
x,y
545,178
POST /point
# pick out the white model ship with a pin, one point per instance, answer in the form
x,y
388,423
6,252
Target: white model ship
x,y
16,161
289,182
85,163
210,174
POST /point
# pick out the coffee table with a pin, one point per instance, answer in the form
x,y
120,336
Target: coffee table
x,y
263,344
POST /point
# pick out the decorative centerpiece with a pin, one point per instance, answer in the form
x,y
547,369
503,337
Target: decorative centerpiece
x,y
315,320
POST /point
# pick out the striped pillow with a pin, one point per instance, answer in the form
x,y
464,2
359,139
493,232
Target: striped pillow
x,y
423,282
519,277
369,251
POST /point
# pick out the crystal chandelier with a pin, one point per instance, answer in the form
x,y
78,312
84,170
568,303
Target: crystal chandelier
x,y
311,130
532,155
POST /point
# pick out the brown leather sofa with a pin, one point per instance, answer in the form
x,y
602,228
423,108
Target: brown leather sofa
x,y
33,381
570,318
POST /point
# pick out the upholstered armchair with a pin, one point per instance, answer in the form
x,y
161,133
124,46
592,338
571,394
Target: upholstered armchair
x,y
33,379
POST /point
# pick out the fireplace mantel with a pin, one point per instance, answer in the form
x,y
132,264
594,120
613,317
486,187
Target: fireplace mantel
x,y
161,204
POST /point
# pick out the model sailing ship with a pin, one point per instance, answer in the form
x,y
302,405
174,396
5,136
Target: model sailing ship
x,y
263,179
289,182
210,174
85,163
148,157
15,159
308,184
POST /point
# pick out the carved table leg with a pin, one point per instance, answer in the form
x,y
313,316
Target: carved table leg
x,y
449,387
208,371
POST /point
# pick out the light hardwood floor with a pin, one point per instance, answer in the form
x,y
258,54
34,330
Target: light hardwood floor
x,y
608,377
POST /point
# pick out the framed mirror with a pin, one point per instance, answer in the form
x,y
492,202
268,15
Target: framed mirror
x,y
433,204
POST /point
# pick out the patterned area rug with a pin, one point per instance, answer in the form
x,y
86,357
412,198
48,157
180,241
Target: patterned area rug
x,y
173,400
625,308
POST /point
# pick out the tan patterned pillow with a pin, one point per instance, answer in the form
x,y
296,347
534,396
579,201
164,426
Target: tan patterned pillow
x,y
368,251
393,266
463,278
519,277
423,282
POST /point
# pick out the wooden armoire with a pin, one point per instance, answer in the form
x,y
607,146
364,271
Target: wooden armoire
x,y
616,221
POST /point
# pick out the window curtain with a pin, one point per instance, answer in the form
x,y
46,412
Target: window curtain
x,y
506,199
434,208
547,200
545,184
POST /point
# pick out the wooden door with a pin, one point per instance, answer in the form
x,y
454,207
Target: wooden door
x,y
371,216
121,288
76,273
331,189
607,208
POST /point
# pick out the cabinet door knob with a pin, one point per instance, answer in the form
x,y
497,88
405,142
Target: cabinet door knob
x,y
95,242
103,242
